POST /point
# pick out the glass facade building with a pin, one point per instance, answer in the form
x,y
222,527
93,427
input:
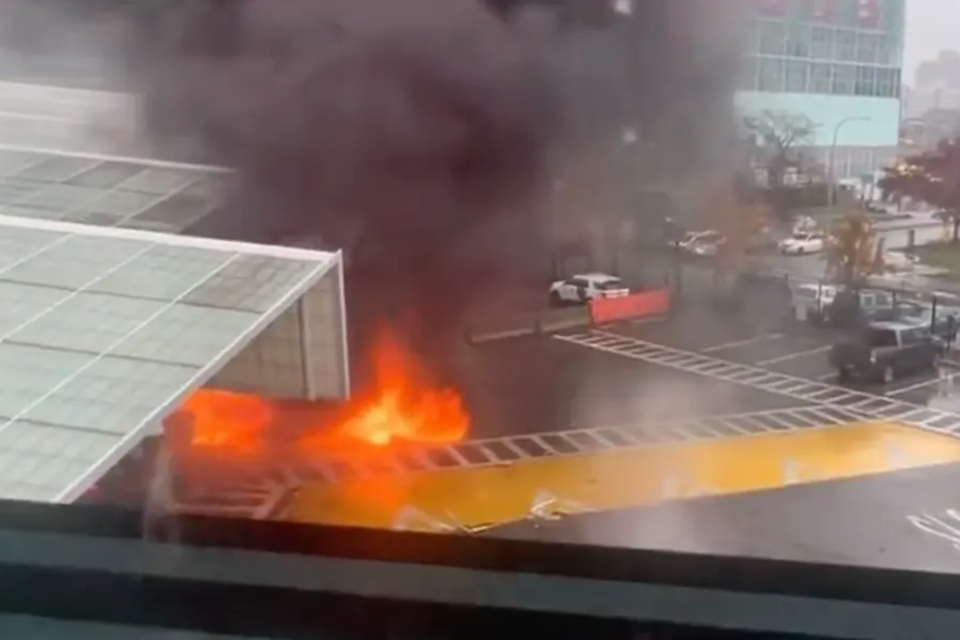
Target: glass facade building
x,y
837,62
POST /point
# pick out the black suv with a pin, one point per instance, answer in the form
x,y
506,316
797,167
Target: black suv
x,y
884,350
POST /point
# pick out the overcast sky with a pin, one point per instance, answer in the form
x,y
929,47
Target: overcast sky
x,y
931,25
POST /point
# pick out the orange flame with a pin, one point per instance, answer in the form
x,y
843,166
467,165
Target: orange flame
x,y
404,407
401,409
232,423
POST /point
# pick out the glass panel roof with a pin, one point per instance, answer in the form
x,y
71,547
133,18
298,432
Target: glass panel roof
x,y
49,117
135,194
63,156
102,331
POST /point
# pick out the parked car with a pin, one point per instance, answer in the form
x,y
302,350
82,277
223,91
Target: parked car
x,y
692,238
851,308
811,301
707,243
802,243
582,288
882,351
804,224
899,261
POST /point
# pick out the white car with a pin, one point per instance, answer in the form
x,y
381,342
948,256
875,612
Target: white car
x,y
695,240
804,224
801,243
811,300
582,288
706,243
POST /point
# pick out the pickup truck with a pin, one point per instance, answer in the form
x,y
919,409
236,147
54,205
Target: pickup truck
x,y
882,351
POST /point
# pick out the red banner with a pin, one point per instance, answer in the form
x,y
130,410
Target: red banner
x,y
644,304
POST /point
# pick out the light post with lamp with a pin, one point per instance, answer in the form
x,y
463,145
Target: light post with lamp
x,y
831,158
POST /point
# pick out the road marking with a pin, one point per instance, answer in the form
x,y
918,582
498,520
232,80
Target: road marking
x,y
940,379
649,432
548,487
826,395
748,423
791,356
832,375
733,344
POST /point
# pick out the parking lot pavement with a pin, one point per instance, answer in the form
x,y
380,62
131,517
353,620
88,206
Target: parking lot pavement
x,y
801,351
545,385
700,329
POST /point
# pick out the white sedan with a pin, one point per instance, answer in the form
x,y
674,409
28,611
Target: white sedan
x,y
801,243
582,288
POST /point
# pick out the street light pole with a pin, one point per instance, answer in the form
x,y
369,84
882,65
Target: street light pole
x,y
831,157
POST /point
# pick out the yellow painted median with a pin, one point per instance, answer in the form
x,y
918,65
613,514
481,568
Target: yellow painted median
x,y
477,497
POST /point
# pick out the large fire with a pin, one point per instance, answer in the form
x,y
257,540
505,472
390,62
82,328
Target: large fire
x,y
401,409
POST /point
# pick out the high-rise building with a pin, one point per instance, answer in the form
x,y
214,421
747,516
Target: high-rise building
x,y
838,64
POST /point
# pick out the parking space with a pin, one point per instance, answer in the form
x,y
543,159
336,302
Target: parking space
x,y
546,385
801,351
790,364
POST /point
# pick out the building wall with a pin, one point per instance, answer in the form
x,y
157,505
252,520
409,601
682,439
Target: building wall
x,y
829,60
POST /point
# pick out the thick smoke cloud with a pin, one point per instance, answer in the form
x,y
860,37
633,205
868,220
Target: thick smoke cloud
x,y
421,136
411,134
398,124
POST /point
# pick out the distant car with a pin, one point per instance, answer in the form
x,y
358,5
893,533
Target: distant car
x,y
851,308
812,302
580,289
899,261
882,351
706,243
804,224
802,243
690,238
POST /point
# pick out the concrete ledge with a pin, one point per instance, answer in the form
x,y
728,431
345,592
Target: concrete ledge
x,y
520,331
562,319
527,325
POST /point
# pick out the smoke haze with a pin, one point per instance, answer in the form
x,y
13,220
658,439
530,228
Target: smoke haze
x,y
421,136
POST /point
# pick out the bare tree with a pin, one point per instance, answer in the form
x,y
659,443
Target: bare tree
x,y
778,137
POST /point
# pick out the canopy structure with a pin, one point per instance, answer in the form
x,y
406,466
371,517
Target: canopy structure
x,y
103,331
106,190
60,118
109,319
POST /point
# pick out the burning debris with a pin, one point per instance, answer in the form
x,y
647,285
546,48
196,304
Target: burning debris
x,y
402,410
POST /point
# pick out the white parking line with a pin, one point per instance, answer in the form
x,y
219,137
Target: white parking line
x,y
733,344
791,356
940,379
828,376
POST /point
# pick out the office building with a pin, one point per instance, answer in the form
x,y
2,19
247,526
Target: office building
x,y
836,62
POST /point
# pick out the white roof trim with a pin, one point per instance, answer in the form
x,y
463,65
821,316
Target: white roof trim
x,y
288,253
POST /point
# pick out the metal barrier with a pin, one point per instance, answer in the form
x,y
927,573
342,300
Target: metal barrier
x,y
643,304
531,324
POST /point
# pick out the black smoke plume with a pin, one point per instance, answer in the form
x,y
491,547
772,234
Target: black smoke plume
x,y
420,136
411,134
400,125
